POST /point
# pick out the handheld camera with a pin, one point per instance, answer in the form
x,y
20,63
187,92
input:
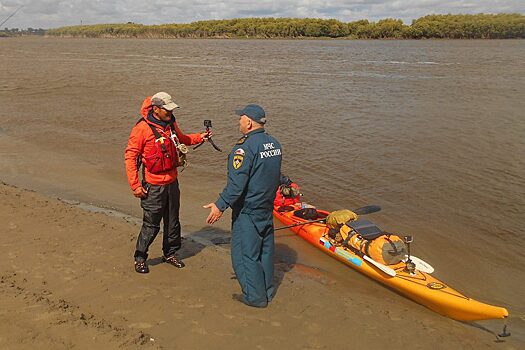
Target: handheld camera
x,y
207,125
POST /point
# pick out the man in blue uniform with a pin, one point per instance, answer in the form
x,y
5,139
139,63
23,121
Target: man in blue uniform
x,y
254,167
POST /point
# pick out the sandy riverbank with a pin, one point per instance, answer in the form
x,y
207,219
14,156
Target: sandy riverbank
x,y
67,282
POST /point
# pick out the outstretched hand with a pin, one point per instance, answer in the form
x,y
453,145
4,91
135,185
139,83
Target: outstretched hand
x,y
215,213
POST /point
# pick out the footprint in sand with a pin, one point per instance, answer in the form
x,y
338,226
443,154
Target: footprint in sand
x,y
42,316
121,312
140,325
196,306
314,328
220,334
178,316
199,330
367,312
392,317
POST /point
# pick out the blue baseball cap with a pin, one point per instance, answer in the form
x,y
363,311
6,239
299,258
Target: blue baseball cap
x,y
254,112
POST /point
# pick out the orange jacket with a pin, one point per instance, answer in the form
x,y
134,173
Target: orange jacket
x,y
141,141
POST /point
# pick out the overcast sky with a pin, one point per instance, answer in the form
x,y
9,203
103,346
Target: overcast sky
x,y
56,13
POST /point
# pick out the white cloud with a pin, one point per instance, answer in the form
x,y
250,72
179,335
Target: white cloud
x,y
56,13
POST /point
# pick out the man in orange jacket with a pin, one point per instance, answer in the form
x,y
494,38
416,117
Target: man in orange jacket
x,y
158,144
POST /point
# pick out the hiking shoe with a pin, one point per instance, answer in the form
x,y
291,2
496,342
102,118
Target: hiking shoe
x,y
172,260
141,267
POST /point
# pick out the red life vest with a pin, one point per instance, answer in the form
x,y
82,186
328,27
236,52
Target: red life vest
x,y
163,157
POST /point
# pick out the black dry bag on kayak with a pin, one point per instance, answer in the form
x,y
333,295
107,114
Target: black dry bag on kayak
x,y
307,213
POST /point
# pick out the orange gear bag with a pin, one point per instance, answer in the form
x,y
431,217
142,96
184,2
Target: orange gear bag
x,y
366,238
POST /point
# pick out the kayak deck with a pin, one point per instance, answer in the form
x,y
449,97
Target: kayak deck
x,y
419,286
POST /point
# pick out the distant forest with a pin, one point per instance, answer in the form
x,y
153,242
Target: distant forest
x,y
480,26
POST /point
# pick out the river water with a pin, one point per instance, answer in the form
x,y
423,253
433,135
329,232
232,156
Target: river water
x,y
432,131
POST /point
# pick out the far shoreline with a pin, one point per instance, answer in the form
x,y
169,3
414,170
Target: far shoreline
x,y
256,39
450,26
457,26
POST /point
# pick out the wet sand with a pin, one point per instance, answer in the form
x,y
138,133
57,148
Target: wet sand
x,y
67,282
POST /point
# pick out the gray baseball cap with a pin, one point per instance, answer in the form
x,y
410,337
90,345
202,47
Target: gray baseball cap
x,y
163,100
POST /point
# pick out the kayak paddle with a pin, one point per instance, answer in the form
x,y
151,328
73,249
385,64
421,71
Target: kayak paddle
x,y
369,209
300,223
389,271
420,264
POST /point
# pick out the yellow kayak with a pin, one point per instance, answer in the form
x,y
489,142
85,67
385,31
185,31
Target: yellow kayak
x,y
418,286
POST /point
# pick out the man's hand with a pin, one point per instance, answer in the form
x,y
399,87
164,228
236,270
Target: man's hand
x,y
206,135
140,192
215,213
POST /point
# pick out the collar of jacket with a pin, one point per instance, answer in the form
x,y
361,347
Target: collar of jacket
x,y
159,122
256,131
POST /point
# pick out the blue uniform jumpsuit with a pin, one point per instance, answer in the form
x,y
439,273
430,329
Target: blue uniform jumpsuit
x,y
254,167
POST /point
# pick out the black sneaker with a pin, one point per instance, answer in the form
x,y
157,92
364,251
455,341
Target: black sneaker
x,y
172,260
141,267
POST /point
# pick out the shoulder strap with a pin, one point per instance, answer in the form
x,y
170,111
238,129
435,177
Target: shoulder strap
x,y
156,133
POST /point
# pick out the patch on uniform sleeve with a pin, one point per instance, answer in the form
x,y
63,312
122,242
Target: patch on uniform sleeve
x,y
239,151
237,161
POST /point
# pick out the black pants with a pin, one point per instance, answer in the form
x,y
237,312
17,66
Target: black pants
x,y
162,203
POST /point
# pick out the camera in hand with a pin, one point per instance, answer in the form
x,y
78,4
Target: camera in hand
x,y
207,124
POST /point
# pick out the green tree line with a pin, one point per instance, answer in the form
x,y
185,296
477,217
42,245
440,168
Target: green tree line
x,y
479,26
